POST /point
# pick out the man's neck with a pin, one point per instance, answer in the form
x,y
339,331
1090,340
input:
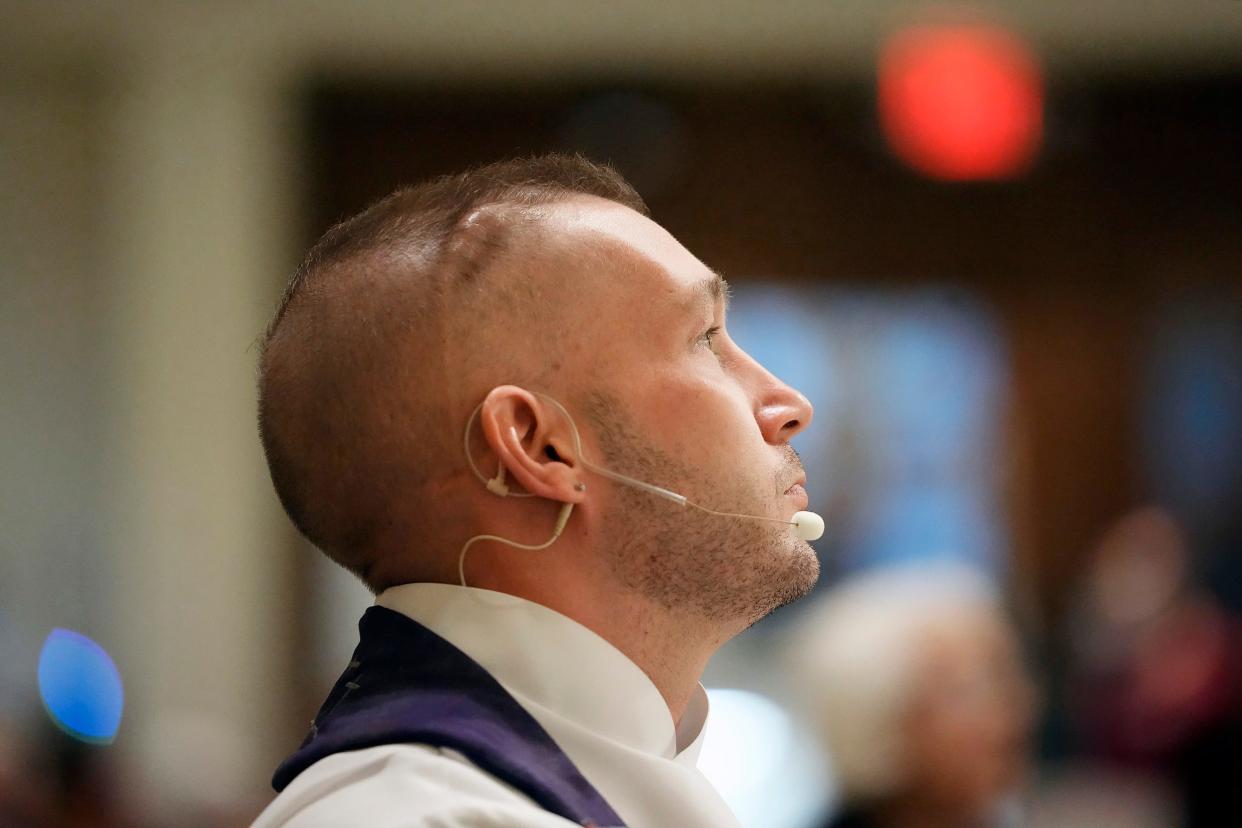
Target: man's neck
x,y
671,648
672,651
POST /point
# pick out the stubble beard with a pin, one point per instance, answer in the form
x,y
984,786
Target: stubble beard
x,y
725,570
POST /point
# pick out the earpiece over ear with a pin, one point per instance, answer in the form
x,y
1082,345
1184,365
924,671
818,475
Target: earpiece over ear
x,y
497,484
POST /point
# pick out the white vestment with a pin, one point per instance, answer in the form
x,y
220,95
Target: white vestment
x,y
597,705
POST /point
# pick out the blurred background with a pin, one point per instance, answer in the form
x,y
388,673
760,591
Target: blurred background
x,y
999,246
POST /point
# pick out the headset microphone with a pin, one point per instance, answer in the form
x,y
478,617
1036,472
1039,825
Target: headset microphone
x,y
807,525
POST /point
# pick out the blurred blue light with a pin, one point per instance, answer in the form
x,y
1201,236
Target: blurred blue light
x,y
80,686
947,521
934,377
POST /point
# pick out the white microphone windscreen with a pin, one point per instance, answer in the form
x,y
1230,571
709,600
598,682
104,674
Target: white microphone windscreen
x,y
808,525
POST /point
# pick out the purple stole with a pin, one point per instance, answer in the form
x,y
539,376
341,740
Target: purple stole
x,y
405,684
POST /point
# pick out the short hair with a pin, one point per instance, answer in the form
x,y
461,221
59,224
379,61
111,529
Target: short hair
x,y
855,657
347,391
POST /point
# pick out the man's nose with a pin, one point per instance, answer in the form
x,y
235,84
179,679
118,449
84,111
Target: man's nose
x,y
782,411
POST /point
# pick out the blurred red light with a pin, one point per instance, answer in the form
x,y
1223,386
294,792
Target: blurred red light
x,y
961,102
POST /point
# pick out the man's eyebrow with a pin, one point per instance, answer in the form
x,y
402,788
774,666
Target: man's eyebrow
x,y
713,289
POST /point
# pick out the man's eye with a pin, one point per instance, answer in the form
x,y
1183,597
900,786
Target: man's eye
x,y
709,336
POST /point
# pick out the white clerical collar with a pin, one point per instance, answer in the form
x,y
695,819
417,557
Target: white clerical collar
x,y
555,667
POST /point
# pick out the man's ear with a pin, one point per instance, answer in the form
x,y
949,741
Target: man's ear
x,y
523,432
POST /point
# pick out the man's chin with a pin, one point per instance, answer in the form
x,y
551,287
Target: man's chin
x,y
804,578
797,583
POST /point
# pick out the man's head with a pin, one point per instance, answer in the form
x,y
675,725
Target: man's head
x,y
535,275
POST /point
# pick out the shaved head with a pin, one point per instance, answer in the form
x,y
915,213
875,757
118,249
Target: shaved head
x,y
396,323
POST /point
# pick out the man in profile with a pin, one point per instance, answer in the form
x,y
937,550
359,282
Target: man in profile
x,y
466,358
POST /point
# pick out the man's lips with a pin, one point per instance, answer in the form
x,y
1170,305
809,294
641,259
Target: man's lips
x,y
798,493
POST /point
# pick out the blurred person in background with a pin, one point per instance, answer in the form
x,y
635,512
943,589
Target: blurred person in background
x,y
562,685
1157,669
913,676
